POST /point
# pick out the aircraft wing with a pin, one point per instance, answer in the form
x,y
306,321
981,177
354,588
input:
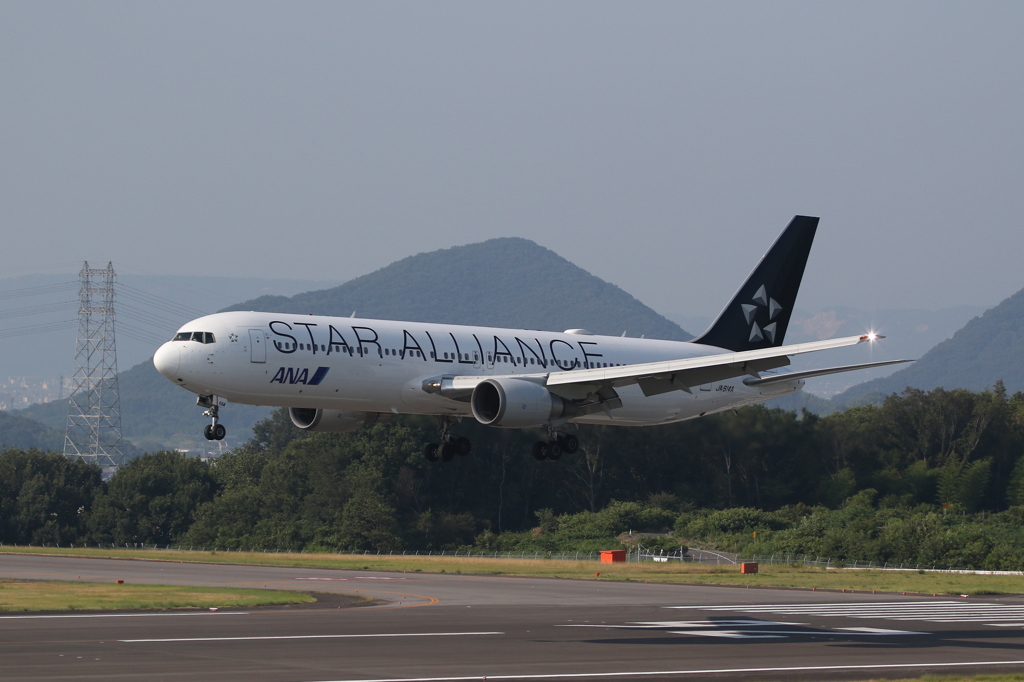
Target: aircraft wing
x,y
680,375
791,376
655,378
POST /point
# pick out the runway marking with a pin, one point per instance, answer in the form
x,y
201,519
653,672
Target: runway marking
x,y
131,615
709,671
993,614
358,636
744,629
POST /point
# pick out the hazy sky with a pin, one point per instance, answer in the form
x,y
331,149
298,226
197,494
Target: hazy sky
x,y
661,146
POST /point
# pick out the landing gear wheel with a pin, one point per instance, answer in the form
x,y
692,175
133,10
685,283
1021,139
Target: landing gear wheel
x,y
554,449
540,450
462,445
570,444
213,430
446,451
430,452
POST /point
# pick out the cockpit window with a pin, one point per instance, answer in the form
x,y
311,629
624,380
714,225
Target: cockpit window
x,y
201,337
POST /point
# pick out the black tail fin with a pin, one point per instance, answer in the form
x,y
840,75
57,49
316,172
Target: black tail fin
x,y
758,315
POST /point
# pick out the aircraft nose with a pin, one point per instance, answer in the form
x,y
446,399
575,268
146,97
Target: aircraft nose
x,y
166,360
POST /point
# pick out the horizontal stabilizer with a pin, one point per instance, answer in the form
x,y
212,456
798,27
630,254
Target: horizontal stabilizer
x,y
793,376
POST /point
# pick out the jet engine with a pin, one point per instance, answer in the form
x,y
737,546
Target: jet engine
x,y
515,403
333,421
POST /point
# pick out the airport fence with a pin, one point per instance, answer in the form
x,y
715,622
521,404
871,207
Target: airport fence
x,y
638,555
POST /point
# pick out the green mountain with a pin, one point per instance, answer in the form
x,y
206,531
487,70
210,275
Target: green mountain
x,y
986,349
501,282
507,282
17,431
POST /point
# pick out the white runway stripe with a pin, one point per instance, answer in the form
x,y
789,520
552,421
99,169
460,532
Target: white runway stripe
x,y
272,637
681,673
932,612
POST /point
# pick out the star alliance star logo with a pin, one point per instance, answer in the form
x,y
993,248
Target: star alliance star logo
x,y
761,299
233,337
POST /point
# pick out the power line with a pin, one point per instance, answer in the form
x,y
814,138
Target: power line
x,y
37,309
37,329
37,291
158,301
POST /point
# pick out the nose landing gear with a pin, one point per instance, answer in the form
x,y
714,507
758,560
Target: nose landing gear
x,y
215,430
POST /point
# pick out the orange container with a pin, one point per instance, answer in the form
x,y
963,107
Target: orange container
x,y
610,556
748,567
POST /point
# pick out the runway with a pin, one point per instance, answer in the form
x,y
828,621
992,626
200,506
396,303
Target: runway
x,y
469,627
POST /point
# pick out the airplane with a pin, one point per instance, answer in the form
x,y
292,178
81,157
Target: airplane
x,y
338,374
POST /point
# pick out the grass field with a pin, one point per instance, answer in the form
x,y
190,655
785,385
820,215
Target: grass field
x,y
770,576
81,596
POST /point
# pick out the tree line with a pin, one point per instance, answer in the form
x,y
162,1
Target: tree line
x,y
933,477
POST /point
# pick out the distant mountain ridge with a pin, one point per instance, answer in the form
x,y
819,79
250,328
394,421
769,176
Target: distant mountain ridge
x,y
988,348
504,282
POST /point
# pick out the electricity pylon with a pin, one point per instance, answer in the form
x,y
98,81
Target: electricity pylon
x,y
94,410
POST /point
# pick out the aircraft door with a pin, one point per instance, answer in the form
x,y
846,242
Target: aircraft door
x,y
257,346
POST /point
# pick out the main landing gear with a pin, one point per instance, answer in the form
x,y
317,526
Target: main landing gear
x,y
215,430
553,448
450,444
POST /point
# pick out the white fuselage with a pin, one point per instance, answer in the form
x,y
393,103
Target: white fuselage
x,y
352,364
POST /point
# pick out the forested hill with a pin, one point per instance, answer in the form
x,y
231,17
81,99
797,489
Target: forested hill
x,y
507,282
502,282
986,349
22,432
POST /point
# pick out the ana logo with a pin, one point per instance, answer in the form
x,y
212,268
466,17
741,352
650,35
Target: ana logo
x,y
299,375
761,300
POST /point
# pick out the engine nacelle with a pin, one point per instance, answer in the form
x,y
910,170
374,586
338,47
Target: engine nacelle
x,y
333,421
515,403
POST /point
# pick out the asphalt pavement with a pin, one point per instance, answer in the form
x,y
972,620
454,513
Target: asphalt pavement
x,y
472,627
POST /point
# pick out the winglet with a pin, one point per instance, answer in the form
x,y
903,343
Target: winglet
x,y
758,315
